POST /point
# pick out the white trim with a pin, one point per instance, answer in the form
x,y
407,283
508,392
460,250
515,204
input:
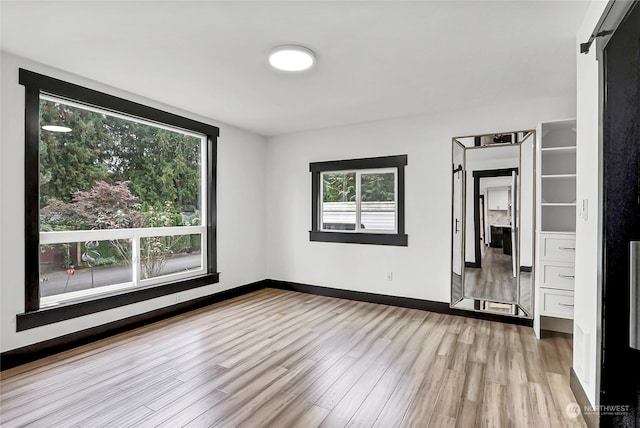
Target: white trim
x,y
83,294
559,149
101,110
134,235
358,173
47,238
394,171
173,276
86,294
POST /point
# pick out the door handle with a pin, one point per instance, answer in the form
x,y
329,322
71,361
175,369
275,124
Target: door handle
x,y
634,294
566,276
567,248
566,305
457,230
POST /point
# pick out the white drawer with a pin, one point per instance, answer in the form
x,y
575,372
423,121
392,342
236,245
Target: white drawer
x,y
556,303
557,276
560,248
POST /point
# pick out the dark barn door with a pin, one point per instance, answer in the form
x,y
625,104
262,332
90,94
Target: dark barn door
x,y
621,191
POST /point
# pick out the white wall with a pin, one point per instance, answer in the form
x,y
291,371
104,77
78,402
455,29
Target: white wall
x,y
241,211
586,355
421,270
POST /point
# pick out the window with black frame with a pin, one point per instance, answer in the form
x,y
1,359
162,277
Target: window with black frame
x,y
359,201
120,201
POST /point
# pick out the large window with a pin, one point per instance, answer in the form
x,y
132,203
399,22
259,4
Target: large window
x,y
120,201
359,201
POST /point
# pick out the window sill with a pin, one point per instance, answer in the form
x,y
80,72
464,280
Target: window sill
x,y
55,314
399,240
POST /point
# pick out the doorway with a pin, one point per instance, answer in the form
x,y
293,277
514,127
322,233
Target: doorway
x,y
486,235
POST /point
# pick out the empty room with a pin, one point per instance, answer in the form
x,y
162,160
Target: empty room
x,y
319,213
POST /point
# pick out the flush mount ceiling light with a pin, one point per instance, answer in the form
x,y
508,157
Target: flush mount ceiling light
x,y
56,128
291,58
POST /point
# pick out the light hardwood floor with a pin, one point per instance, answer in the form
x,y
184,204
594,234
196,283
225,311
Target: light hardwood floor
x,y
494,281
279,358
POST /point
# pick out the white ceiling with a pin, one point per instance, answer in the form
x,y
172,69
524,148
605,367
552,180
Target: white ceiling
x,y
376,59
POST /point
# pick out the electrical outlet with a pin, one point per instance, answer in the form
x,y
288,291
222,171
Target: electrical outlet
x,y
389,276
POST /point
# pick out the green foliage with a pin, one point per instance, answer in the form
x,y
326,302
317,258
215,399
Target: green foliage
x,y
341,187
159,165
103,261
61,216
73,161
156,250
377,187
108,206
114,173
165,216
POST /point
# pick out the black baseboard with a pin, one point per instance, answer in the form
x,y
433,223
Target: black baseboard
x,y
477,265
26,354
404,302
590,417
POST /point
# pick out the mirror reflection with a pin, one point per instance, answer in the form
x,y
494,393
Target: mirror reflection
x,y
492,223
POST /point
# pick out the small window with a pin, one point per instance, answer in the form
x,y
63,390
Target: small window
x,y
359,201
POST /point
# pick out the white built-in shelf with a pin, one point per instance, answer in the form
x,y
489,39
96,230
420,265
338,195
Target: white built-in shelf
x,y
558,149
555,218
559,176
558,204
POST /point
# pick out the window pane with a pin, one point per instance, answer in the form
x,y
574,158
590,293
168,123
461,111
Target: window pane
x,y
76,266
378,207
339,201
164,255
112,172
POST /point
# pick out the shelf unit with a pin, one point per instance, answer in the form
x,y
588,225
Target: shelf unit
x,y
555,220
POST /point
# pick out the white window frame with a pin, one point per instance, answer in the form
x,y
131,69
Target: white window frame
x,y
133,234
35,85
358,201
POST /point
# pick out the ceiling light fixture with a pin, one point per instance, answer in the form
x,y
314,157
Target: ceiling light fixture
x,y
56,128
291,58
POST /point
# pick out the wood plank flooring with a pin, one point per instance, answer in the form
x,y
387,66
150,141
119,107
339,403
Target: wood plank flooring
x,y
277,358
494,281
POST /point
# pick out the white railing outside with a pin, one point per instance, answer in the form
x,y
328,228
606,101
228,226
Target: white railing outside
x,y
134,236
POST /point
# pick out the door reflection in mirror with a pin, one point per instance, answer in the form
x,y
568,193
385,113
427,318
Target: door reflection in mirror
x,y
457,263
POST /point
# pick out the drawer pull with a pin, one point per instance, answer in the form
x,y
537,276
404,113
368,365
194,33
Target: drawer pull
x,y
566,305
567,248
566,276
